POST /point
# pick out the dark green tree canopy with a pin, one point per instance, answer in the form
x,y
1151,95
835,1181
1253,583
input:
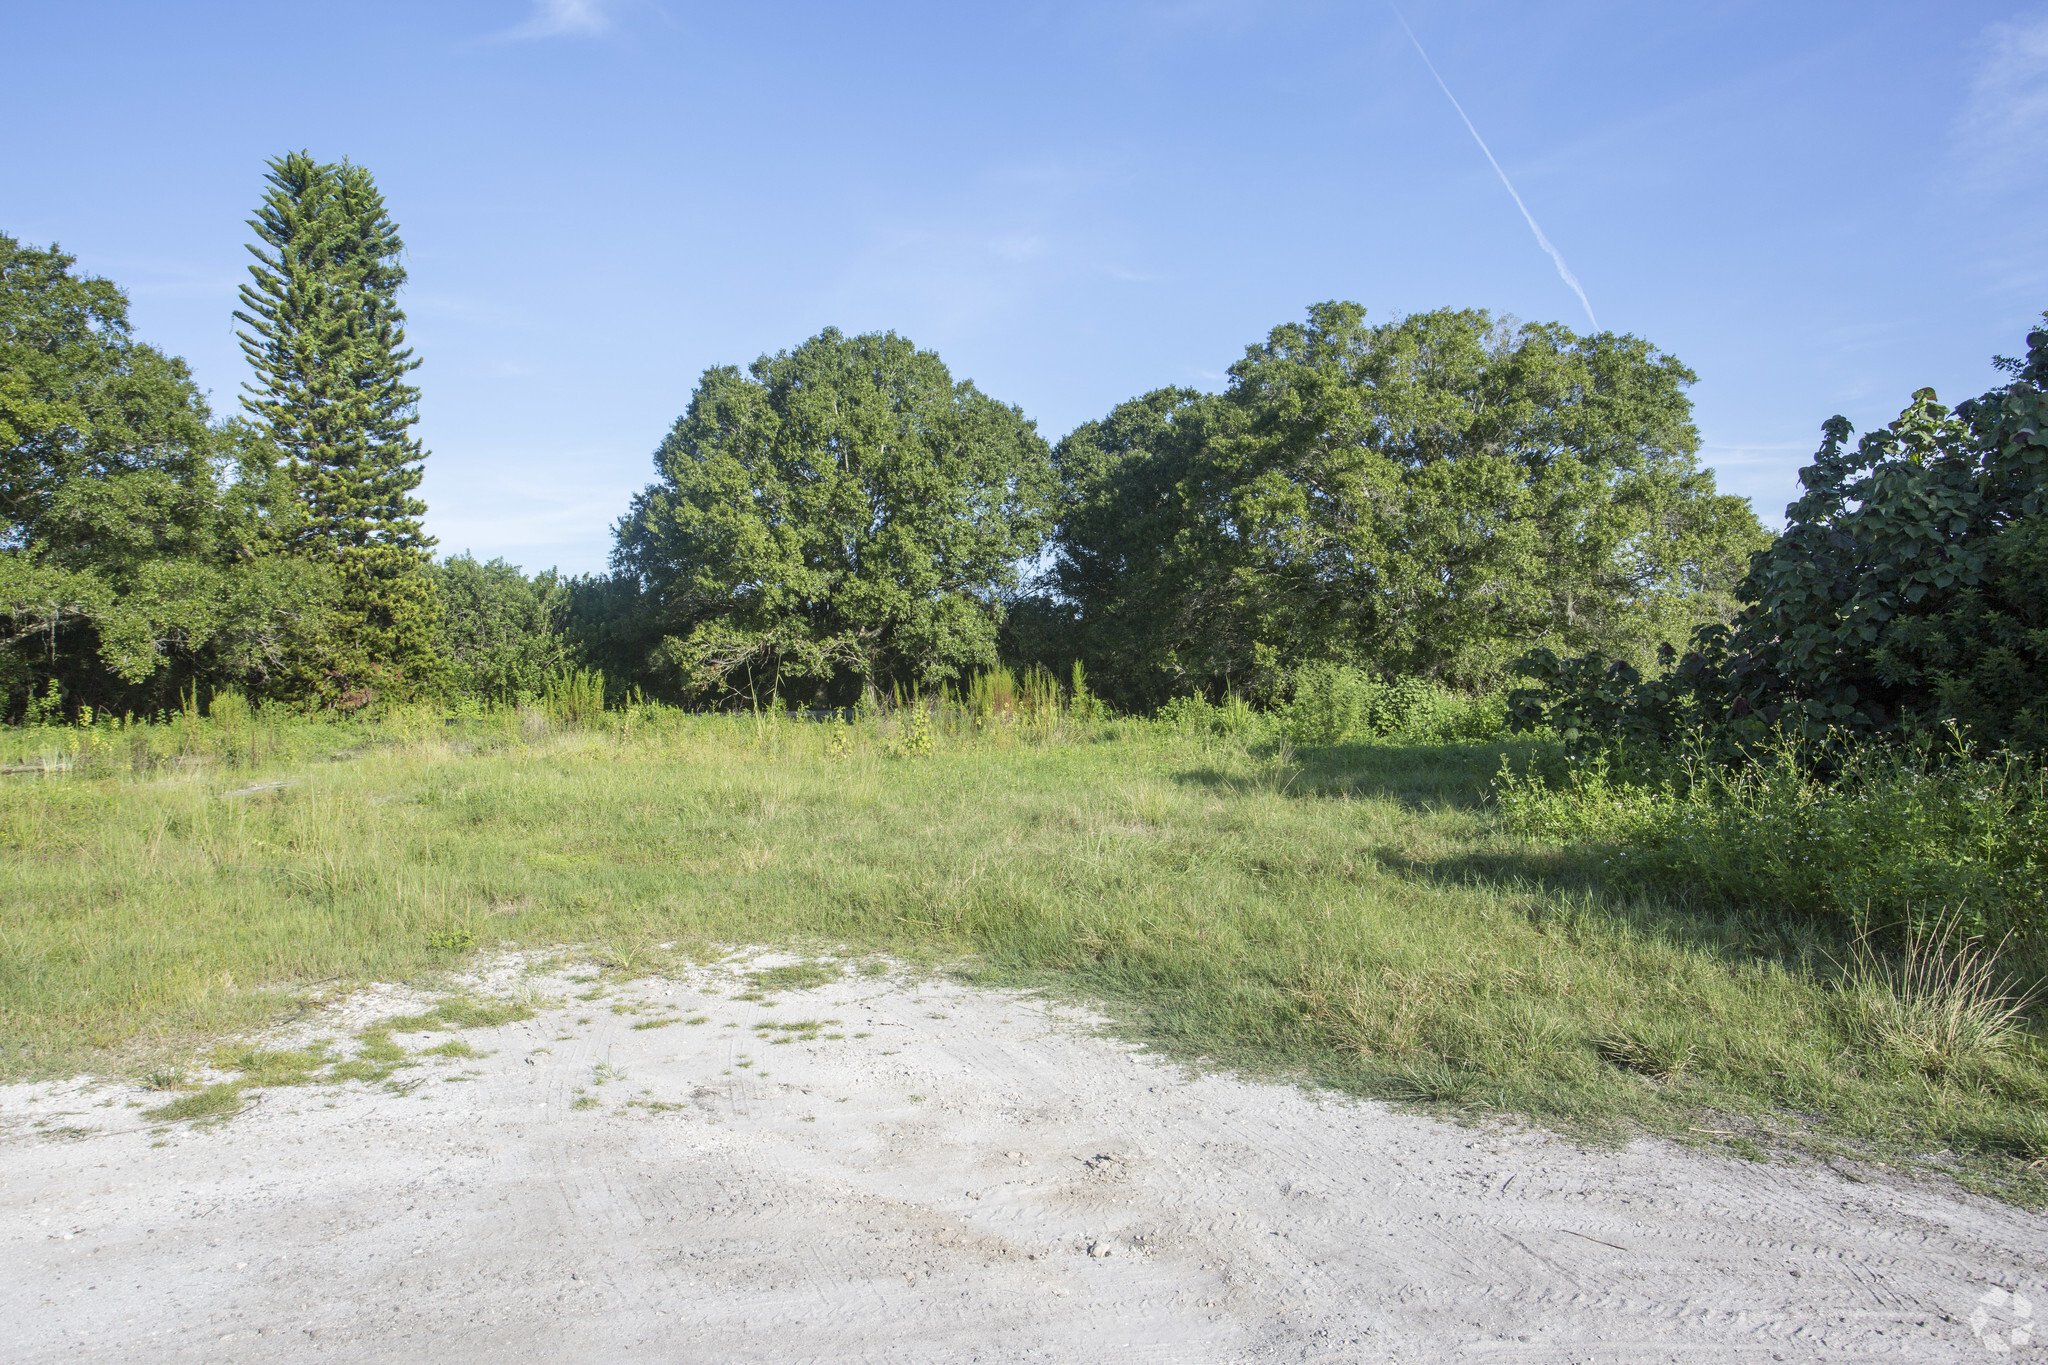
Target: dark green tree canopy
x,y
1424,497
326,339
842,511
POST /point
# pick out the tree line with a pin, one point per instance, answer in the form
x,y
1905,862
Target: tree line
x,y
1429,498
151,552
1448,496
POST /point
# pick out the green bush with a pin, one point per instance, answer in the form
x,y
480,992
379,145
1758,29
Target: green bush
x,y
573,696
1334,704
1234,718
1893,841
502,632
1337,705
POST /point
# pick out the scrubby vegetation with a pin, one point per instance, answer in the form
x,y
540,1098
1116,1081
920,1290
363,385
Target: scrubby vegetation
x,y
1864,740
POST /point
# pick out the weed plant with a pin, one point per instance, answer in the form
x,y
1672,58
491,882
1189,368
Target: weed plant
x,y
572,696
1940,1003
1362,915
999,694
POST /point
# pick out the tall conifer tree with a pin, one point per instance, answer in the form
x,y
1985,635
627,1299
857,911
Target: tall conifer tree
x,y
327,341
326,338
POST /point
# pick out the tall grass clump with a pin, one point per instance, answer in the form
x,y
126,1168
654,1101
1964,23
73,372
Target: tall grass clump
x,y
1940,1002
573,696
1082,704
990,694
998,694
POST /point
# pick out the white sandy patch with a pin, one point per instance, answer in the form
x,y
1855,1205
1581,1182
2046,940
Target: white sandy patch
x,y
983,1177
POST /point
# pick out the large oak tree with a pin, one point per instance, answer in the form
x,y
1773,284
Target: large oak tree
x,y
1428,497
842,515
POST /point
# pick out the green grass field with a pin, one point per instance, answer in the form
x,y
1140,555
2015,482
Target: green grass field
x,y
1353,916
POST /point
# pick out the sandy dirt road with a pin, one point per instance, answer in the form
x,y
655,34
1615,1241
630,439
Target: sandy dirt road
x,y
962,1175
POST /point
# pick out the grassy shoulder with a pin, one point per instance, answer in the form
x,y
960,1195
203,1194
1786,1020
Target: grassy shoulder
x,y
1355,915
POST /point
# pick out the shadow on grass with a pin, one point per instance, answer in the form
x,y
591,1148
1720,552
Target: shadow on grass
x,y
1572,891
1417,777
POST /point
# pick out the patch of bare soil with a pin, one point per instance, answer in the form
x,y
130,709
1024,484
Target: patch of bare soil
x,y
907,1170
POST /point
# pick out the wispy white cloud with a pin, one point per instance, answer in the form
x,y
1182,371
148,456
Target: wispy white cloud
x,y
1745,453
2005,124
1765,472
1557,257
561,19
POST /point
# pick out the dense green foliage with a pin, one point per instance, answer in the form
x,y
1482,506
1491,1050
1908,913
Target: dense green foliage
x,y
842,516
1422,498
1890,842
150,552
612,625
1330,704
500,631
1863,742
326,339
136,554
1909,590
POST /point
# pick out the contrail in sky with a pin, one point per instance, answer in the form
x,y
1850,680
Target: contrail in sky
x,y
1542,241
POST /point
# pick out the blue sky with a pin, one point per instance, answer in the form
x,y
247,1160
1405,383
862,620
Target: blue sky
x,y
1819,207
